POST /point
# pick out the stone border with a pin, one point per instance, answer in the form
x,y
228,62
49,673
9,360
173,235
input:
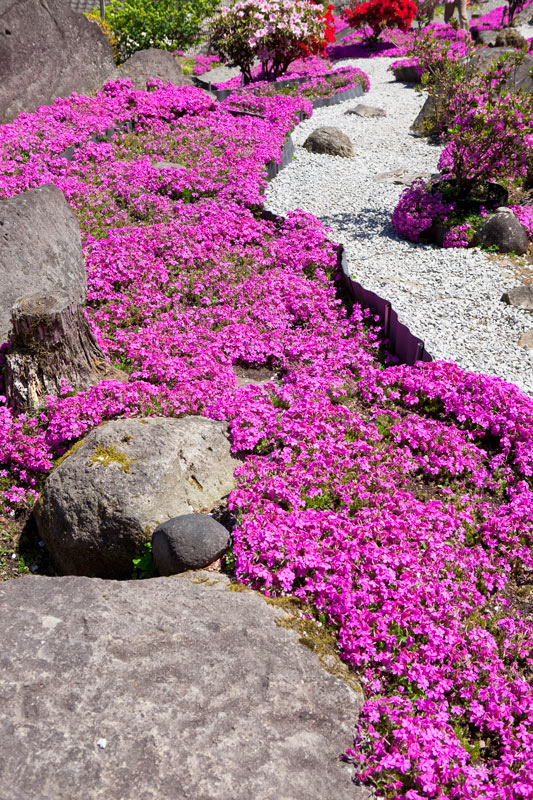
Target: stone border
x,y
320,102
397,338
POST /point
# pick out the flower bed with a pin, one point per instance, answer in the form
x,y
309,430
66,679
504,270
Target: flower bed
x,y
308,78
196,65
396,503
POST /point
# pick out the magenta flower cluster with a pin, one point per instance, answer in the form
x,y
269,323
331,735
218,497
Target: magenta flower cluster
x,y
324,81
397,501
419,207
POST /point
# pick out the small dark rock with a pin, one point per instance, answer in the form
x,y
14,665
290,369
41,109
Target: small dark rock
x,y
519,296
191,541
505,232
408,74
487,38
367,111
330,141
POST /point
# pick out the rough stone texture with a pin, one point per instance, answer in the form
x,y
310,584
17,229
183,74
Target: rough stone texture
x,y
404,177
519,296
487,38
192,541
191,690
128,476
508,37
40,249
330,141
425,115
48,51
152,63
363,110
505,232
526,340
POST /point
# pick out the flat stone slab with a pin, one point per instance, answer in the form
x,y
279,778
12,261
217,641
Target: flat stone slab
x,y
164,689
519,296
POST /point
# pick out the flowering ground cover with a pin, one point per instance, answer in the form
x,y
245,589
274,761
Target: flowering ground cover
x,y
396,503
196,65
323,80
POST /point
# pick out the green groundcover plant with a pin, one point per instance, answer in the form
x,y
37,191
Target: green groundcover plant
x,y
165,24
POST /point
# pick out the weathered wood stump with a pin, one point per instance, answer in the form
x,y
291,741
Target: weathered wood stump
x,y
51,342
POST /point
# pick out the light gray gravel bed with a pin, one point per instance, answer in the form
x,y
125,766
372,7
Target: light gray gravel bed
x,y
449,298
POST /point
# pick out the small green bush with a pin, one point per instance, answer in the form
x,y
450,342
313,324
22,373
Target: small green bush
x,y
164,24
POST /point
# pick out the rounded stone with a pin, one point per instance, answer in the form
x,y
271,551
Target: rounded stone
x,y
330,141
504,231
190,541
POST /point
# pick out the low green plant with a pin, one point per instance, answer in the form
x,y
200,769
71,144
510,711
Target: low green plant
x,y
143,565
163,24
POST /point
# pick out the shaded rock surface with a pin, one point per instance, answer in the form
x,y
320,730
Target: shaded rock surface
x,y
40,249
191,691
127,477
48,51
152,63
363,110
519,296
191,541
330,141
504,231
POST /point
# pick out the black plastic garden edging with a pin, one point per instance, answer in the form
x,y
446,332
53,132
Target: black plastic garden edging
x,y
398,339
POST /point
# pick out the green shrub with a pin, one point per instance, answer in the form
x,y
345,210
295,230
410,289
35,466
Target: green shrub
x,y
164,24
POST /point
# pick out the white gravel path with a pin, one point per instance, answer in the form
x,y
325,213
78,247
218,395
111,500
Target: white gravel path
x,y
449,298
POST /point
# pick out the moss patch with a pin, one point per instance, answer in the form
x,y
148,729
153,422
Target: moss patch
x,y
110,455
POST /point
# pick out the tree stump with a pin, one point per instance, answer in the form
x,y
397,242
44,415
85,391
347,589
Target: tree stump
x,y
51,342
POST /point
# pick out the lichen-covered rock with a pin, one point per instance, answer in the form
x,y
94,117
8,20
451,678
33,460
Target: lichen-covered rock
x,y
329,140
40,250
164,689
48,51
128,476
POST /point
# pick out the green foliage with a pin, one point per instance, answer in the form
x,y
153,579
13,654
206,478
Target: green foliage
x,y
164,24
143,565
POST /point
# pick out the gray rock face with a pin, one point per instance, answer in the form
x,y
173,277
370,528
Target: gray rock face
x,y
426,117
130,475
164,689
192,541
152,63
487,38
330,141
363,110
505,232
519,296
48,51
40,249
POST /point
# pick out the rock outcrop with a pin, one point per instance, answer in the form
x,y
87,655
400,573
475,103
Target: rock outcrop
x,y
47,50
128,476
40,250
165,689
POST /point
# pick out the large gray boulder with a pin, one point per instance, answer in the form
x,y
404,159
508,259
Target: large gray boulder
x,y
106,498
152,63
329,140
504,231
40,249
48,51
164,689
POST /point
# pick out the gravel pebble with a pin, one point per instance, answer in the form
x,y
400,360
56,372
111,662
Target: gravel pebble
x,y
449,298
